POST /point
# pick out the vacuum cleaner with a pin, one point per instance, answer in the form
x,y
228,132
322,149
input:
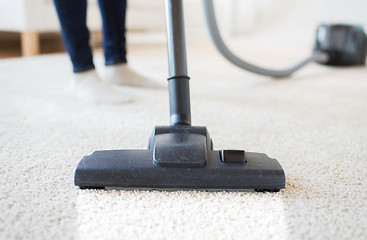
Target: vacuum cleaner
x,y
179,156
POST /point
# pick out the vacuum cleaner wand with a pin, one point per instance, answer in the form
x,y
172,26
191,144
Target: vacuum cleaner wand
x,y
178,81
179,156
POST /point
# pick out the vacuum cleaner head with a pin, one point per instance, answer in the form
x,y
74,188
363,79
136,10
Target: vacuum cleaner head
x,y
180,157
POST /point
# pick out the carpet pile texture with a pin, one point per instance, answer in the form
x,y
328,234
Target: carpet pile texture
x,y
314,123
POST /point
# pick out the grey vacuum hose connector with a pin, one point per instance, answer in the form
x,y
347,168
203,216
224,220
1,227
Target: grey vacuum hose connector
x,y
223,49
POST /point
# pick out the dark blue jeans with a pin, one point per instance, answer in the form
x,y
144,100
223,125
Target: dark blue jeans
x,y
72,16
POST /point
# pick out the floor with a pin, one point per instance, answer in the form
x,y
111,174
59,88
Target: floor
x,y
313,123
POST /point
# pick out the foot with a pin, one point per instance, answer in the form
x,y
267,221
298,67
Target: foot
x,y
88,87
122,74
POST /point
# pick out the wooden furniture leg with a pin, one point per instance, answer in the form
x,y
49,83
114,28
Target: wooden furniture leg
x,y
30,44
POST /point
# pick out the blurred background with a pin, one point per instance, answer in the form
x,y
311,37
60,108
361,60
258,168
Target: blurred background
x,y
30,27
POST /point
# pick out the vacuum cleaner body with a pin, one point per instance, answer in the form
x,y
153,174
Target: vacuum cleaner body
x,y
345,45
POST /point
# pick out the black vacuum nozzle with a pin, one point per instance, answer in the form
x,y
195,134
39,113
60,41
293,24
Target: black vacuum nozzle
x,y
346,45
180,157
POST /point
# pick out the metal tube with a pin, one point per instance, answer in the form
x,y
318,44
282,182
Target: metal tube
x,y
178,81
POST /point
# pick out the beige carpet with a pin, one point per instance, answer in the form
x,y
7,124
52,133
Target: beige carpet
x,y
314,123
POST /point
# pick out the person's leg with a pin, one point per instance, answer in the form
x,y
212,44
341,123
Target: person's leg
x,y
72,17
88,86
113,18
114,44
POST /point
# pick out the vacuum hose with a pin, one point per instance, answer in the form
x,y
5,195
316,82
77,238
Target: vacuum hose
x,y
223,49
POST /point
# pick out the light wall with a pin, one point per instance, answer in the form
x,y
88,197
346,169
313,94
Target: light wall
x,y
278,20
281,20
